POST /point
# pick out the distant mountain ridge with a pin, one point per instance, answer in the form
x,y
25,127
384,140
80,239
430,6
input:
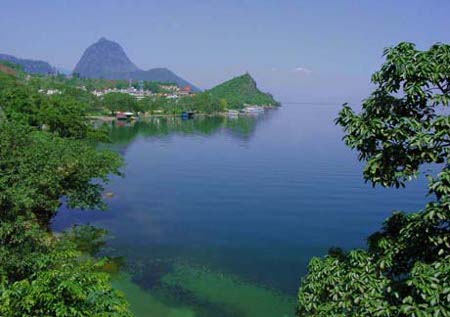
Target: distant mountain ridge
x,y
242,90
30,65
107,59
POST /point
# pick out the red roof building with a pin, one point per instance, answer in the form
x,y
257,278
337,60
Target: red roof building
x,y
187,89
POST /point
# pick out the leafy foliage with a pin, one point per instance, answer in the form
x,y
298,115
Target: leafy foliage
x,y
22,243
39,168
44,276
402,126
395,133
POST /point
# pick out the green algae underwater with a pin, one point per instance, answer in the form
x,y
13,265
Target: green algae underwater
x,y
188,291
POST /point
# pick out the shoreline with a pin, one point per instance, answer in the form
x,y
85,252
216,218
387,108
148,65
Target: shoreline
x,y
105,118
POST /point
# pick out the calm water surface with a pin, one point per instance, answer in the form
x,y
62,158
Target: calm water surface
x,y
219,216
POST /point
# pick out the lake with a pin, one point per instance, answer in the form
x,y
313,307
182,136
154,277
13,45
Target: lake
x,y
219,216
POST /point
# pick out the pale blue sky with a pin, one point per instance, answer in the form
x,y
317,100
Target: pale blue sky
x,y
313,50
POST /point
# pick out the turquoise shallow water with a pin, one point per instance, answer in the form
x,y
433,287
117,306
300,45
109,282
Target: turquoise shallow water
x,y
219,216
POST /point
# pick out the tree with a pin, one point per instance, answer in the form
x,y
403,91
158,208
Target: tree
x,y
20,103
149,104
406,269
40,168
157,87
223,104
121,84
48,156
206,102
84,97
21,243
64,113
116,101
41,275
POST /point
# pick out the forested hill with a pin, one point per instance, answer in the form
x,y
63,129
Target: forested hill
x,y
242,90
29,65
7,68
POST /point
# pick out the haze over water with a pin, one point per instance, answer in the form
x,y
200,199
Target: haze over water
x,y
213,210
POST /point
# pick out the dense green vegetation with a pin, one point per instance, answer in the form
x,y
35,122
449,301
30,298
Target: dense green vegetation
x,y
116,101
403,125
240,91
48,157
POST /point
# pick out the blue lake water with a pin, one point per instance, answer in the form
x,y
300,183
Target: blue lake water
x,y
220,216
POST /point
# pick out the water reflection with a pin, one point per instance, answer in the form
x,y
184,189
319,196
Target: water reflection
x,y
242,127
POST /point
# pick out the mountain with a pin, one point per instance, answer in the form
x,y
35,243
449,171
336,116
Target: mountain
x,y
107,59
103,59
29,65
242,90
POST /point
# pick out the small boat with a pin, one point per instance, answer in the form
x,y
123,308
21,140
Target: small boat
x,y
187,115
120,116
253,110
233,113
130,115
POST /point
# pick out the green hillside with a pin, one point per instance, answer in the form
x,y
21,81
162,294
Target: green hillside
x,y
240,91
10,68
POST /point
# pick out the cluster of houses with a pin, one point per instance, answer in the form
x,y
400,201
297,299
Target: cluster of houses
x,y
173,92
138,94
49,91
170,91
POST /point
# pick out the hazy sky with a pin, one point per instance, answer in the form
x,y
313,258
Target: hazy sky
x,y
313,50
